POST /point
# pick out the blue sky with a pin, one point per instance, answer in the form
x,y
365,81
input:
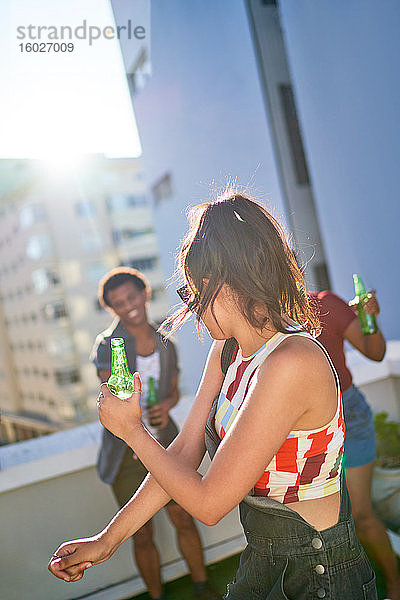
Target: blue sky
x,y
62,104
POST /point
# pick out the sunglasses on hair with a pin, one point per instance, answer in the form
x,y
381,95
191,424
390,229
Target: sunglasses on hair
x,y
186,297
184,294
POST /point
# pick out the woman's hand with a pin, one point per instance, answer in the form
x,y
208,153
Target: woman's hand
x,y
120,416
71,559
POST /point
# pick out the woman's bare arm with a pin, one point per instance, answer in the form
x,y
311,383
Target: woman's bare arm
x,y
150,497
270,411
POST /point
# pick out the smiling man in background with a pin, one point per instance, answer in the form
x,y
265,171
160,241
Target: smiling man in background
x,y
126,293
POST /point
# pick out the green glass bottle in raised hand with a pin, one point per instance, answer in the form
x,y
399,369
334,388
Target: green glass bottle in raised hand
x,y
152,398
367,322
120,382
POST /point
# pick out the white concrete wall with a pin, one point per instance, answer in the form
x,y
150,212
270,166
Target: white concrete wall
x,y
380,381
50,493
345,59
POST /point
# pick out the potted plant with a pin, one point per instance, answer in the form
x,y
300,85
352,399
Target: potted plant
x,y
386,478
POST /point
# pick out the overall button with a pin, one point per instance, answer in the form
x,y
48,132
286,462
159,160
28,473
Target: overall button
x,y
321,593
317,544
320,569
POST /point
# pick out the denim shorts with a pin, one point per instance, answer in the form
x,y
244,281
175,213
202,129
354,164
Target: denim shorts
x,y
359,441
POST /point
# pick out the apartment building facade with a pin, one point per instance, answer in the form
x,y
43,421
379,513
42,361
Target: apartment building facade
x,y
59,234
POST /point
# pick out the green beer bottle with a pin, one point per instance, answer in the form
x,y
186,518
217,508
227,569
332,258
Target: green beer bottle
x,y
120,382
367,322
152,398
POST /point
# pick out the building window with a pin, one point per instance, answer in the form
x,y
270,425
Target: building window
x,y
39,246
162,189
31,214
67,376
122,235
139,73
119,202
43,279
85,208
294,134
54,310
148,263
60,345
66,411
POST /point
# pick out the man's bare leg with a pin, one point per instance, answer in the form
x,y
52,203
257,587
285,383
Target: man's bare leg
x,y
147,559
189,542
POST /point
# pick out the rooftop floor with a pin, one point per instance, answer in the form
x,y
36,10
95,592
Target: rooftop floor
x,y
219,574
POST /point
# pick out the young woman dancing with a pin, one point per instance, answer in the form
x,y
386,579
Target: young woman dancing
x,y
273,425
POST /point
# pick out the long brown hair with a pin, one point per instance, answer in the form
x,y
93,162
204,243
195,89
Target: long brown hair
x,y
234,240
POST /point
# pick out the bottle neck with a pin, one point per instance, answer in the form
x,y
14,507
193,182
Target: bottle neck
x,y
119,363
151,385
359,287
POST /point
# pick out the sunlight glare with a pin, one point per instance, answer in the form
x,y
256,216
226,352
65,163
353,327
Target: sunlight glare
x,y
62,106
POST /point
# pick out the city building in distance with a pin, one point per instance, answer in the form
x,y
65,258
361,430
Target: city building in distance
x,y
60,232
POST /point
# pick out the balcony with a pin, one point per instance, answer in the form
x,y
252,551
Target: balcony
x,y
50,492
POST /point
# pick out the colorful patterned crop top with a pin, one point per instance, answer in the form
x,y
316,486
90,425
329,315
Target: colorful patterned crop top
x,y
308,464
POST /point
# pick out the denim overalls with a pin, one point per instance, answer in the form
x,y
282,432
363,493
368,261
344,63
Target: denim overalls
x,y
288,559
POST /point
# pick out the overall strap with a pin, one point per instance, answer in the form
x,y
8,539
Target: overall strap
x,y
227,353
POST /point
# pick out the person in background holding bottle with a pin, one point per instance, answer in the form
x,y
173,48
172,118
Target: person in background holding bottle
x,y
339,322
126,293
